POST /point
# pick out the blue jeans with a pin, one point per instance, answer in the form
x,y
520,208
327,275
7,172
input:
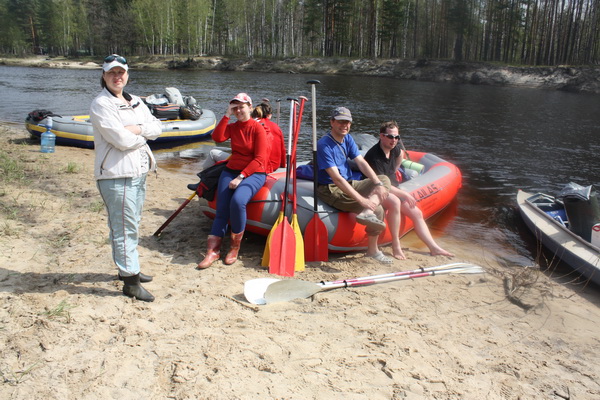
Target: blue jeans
x,y
231,204
124,200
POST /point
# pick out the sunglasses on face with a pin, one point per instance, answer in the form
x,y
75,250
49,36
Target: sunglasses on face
x,y
113,57
397,137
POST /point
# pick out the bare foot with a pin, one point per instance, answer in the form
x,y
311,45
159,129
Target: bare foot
x,y
398,253
441,252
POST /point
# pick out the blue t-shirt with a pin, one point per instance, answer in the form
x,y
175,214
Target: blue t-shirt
x,y
331,153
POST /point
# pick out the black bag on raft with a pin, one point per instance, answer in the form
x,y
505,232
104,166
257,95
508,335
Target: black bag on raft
x,y
167,111
38,115
209,179
192,112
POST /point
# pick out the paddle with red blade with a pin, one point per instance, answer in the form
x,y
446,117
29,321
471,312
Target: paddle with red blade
x,y
282,257
299,265
316,237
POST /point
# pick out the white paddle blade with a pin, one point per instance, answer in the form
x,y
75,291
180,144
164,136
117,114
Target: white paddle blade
x,y
254,289
290,289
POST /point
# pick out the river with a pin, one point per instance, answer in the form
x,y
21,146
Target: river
x,y
502,138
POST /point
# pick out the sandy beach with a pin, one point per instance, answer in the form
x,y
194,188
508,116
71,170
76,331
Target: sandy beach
x,y
67,332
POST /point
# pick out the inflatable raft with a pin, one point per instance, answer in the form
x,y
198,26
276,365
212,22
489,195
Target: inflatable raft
x,y
77,130
434,190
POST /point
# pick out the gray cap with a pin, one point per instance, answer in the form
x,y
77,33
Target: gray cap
x,y
341,113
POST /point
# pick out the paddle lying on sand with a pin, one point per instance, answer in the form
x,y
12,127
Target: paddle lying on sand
x,y
282,253
265,290
316,237
172,217
299,264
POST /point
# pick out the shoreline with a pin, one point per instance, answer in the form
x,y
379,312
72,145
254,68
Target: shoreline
x,y
577,79
66,328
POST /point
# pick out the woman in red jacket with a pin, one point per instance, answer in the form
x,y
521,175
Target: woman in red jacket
x,y
263,113
243,176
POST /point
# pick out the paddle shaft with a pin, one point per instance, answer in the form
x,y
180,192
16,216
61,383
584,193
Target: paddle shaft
x,y
314,84
372,281
172,217
294,151
416,271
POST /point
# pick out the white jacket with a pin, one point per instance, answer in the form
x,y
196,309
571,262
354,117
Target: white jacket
x,y
118,151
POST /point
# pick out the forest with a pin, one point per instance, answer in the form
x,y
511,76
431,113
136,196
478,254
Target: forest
x,y
518,32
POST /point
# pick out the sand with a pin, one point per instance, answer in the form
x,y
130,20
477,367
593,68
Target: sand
x,y
67,332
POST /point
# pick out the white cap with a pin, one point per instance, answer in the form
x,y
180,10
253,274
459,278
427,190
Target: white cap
x,y
242,98
114,60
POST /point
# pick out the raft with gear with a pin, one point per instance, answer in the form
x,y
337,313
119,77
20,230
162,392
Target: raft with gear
x,y
434,189
77,130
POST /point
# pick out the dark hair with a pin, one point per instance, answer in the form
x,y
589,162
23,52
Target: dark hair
x,y
102,83
263,110
388,125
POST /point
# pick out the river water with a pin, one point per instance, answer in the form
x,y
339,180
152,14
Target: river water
x,y
502,138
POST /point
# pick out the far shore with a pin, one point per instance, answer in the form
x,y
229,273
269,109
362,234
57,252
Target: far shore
x,y
578,79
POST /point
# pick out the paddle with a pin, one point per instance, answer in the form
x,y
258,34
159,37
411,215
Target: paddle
x,y
255,289
266,258
316,237
172,217
282,255
286,290
267,252
299,265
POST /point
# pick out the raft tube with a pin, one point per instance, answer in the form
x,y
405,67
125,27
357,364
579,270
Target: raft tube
x,y
433,190
77,130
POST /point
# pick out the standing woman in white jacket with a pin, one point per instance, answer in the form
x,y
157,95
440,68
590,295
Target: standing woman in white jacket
x,y
122,125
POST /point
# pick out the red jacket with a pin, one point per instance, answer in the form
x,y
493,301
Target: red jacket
x,y
249,145
275,137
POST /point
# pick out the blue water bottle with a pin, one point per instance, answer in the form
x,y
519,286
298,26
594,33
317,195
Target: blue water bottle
x,y
48,138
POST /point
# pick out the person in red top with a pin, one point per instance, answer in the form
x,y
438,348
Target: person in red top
x,y
263,113
243,176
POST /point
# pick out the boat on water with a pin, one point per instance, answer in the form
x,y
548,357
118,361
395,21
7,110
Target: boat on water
x,y
76,130
569,228
434,190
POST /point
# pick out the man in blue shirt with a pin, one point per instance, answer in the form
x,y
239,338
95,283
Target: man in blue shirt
x,y
338,188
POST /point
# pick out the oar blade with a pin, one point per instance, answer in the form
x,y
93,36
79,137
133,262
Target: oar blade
x,y
299,263
283,250
267,252
316,240
290,289
254,289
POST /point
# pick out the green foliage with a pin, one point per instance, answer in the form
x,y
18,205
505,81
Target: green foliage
x,y
509,31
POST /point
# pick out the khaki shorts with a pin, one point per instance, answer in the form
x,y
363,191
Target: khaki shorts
x,y
335,197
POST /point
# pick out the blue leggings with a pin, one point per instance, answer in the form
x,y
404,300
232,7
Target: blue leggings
x,y
231,204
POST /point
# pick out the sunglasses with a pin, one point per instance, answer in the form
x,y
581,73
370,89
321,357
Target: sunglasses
x,y
113,57
397,137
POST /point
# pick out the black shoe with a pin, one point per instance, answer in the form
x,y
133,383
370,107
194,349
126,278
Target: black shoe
x,y
143,278
193,186
132,288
